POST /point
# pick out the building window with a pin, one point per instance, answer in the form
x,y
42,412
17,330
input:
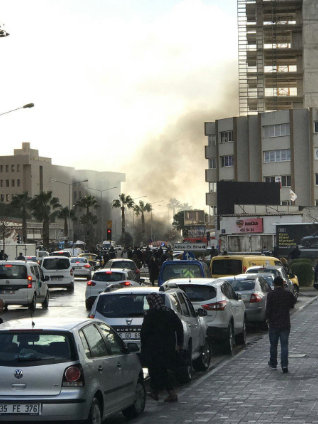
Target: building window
x,y
279,130
277,155
212,187
286,203
12,183
226,136
7,183
1,168
7,168
18,168
316,126
227,161
18,183
212,140
2,198
7,197
285,180
12,168
269,179
212,163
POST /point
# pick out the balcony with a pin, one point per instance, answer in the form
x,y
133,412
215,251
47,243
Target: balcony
x,y
211,175
211,198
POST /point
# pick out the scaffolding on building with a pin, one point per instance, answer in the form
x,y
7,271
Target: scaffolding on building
x,y
270,55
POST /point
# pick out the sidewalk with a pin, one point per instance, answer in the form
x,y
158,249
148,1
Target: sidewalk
x,y
245,390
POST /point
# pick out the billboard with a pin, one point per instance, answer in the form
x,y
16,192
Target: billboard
x,y
194,217
247,225
305,236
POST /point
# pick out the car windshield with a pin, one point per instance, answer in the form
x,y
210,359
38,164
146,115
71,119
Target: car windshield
x,y
242,285
123,264
108,276
35,348
79,260
13,272
177,270
198,293
269,279
56,263
123,305
227,267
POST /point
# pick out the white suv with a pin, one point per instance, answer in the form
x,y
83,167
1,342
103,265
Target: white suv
x,y
59,270
124,310
23,283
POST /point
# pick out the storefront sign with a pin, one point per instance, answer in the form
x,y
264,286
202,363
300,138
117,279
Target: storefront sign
x,y
247,225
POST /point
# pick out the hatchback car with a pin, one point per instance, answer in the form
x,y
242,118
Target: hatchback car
x,y
124,264
225,310
65,370
277,271
124,310
102,278
61,253
23,283
59,270
92,260
31,258
81,267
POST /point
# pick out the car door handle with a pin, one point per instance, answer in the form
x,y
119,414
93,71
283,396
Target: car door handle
x,y
118,365
100,368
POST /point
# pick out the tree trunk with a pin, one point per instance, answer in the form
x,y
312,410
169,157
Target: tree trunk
x,y
123,224
143,228
46,233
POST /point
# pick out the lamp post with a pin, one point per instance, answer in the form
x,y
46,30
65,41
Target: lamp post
x,y
133,235
27,106
151,216
69,201
101,207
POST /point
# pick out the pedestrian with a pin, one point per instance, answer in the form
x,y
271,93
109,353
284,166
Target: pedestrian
x,y
153,270
214,252
224,252
279,302
137,261
112,253
124,253
105,258
161,335
20,257
2,305
295,253
3,256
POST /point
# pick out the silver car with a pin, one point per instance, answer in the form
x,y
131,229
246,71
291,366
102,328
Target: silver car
x,y
66,370
81,267
277,271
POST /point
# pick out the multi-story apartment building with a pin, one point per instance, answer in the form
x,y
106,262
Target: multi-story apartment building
x,y
278,55
273,146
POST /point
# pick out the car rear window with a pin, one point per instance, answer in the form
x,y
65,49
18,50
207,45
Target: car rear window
x,y
227,267
35,348
56,263
242,285
269,279
61,253
123,305
108,276
274,272
13,272
175,270
79,260
198,293
123,264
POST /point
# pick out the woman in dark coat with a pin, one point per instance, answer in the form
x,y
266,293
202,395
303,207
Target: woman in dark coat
x,y
161,335
153,270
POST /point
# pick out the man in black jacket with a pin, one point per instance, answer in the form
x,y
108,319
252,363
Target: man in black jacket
x,y
279,302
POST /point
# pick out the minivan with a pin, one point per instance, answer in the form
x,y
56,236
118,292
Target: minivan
x,y
183,269
59,270
222,266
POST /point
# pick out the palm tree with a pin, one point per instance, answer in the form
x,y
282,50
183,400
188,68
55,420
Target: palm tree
x,y
124,201
22,202
173,204
140,210
88,219
44,208
87,202
184,207
66,214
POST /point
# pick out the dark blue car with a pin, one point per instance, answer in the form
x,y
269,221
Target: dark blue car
x,y
183,269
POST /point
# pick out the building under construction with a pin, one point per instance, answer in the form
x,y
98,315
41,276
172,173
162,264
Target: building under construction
x,y
278,55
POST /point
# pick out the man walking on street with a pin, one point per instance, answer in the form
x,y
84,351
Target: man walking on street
x,y
279,302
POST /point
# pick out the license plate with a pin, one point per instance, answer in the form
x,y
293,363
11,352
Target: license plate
x,y
127,335
56,279
29,409
7,292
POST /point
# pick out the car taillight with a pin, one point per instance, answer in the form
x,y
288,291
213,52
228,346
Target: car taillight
x,y
92,316
91,283
87,266
71,272
73,376
125,283
29,282
218,306
255,298
244,269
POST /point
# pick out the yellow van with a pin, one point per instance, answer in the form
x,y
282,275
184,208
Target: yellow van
x,y
222,266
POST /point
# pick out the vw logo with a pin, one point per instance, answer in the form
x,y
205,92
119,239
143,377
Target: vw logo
x,y
18,374
128,321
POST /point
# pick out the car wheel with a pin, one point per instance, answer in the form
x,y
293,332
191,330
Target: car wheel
x,y
95,413
88,305
139,405
241,338
229,343
184,374
32,305
45,303
70,288
202,363
296,291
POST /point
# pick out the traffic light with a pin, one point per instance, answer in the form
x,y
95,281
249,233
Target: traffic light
x,y
109,234
18,239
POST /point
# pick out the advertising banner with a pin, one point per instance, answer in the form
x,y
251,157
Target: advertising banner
x,y
305,236
194,217
247,225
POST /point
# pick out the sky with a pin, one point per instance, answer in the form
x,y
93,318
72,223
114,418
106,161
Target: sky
x,y
120,85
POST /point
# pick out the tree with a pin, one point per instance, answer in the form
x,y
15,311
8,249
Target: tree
x,y
65,214
22,203
140,210
178,221
124,201
184,207
44,208
173,204
88,219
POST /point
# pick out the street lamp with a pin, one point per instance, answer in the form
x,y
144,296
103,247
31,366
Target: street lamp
x,y
133,235
69,200
151,216
101,207
27,106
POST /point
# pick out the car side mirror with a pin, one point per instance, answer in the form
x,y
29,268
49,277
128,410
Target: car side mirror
x,y
238,296
132,347
202,312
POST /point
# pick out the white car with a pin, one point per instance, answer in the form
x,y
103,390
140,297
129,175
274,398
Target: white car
x,y
226,315
66,370
59,270
23,283
81,267
103,278
124,310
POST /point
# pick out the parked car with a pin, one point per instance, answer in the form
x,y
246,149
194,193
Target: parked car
x,y
81,267
23,283
124,264
102,278
183,269
124,310
31,259
269,278
253,289
226,315
59,270
311,241
65,370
